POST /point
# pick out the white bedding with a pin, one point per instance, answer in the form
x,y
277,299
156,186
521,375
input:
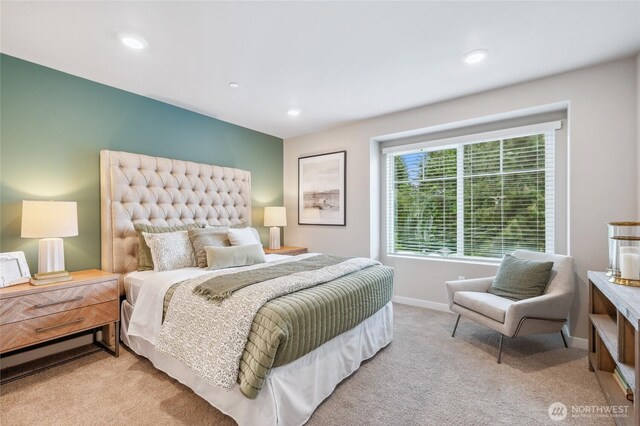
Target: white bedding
x,y
134,281
210,336
146,290
291,392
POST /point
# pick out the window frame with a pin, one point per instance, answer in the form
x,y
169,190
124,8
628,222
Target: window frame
x,y
459,142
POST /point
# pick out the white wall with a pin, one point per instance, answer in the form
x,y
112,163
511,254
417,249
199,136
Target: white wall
x,y
602,174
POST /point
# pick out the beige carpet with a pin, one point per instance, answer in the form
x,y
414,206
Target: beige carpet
x,y
424,377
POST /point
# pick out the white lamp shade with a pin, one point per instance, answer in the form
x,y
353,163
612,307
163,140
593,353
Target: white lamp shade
x,y
49,219
275,216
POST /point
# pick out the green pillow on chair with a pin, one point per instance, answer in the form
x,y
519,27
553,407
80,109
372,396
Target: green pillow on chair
x,y
520,279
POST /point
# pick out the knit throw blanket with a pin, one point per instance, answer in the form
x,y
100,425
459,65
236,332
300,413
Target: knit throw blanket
x,y
223,286
209,336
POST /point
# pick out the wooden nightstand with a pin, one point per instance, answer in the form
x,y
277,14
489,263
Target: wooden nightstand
x,y
286,250
30,314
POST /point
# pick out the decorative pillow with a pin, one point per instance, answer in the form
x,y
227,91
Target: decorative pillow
x,y
145,262
243,236
210,236
520,279
170,250
228,257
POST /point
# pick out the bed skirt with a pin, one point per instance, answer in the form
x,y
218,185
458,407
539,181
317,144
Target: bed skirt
x,y
293,391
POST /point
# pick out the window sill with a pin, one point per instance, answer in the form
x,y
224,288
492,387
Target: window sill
x,y
473,261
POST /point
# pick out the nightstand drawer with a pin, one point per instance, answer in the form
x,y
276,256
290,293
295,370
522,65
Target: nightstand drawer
x,y
36,305
24,333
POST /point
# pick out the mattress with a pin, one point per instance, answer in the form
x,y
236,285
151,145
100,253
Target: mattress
x,y
133,282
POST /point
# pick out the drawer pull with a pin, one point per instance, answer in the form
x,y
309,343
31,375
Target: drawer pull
x,y
40,330
44,305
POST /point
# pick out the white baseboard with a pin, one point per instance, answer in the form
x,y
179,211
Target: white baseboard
x,y
442,307
573,342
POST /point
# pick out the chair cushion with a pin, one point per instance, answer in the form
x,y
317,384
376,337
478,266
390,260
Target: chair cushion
x,y
520,279
489,305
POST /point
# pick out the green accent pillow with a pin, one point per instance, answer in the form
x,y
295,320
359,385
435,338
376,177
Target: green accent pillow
x,y
209,236
145,262
521,279
228,257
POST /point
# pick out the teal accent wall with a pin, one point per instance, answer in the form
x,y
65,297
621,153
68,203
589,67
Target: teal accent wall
x,y
53,126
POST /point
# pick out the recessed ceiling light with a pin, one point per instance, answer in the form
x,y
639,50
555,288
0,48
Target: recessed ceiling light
x,y
133,41
294,111
475,56
234,85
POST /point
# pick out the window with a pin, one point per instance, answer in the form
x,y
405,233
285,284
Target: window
x,y
477,196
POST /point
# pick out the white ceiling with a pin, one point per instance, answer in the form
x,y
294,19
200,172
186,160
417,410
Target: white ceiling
x,y
337,62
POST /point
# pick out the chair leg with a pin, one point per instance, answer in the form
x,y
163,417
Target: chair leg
x,y
456,326
500,348
563,339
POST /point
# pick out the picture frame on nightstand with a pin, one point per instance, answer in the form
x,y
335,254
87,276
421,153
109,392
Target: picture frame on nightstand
x,y
13,268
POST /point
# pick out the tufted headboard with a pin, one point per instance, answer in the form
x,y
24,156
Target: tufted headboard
x,y
138,188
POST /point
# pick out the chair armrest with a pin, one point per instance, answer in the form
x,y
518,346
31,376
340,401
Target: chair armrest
x,y
554,306
480,285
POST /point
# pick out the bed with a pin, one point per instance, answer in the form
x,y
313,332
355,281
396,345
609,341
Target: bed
x,y
164,192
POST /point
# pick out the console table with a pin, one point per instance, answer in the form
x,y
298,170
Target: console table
x,y
614,314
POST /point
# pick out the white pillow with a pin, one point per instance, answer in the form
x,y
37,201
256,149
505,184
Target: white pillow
x,y
170,250
243,236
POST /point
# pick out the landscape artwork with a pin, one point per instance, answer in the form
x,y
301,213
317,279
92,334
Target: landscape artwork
x,y
321,189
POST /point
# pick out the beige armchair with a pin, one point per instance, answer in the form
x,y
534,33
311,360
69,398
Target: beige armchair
x,y
537,315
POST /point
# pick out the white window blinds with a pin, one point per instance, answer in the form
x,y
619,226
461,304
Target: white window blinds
x,y
478,196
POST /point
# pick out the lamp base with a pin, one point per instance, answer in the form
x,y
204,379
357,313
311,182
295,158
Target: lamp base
x,y
50,255
274,238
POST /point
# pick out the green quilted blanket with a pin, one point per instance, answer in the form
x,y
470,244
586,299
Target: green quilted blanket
x,y
290,326
223,286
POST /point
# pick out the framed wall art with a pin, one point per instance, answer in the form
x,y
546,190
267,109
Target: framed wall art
x,y
13,269
322,181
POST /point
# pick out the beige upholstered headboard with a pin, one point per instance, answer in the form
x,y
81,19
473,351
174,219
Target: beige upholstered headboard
x,y
137,188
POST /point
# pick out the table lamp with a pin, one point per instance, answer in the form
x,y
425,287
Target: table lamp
x,y
275,217
49,221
